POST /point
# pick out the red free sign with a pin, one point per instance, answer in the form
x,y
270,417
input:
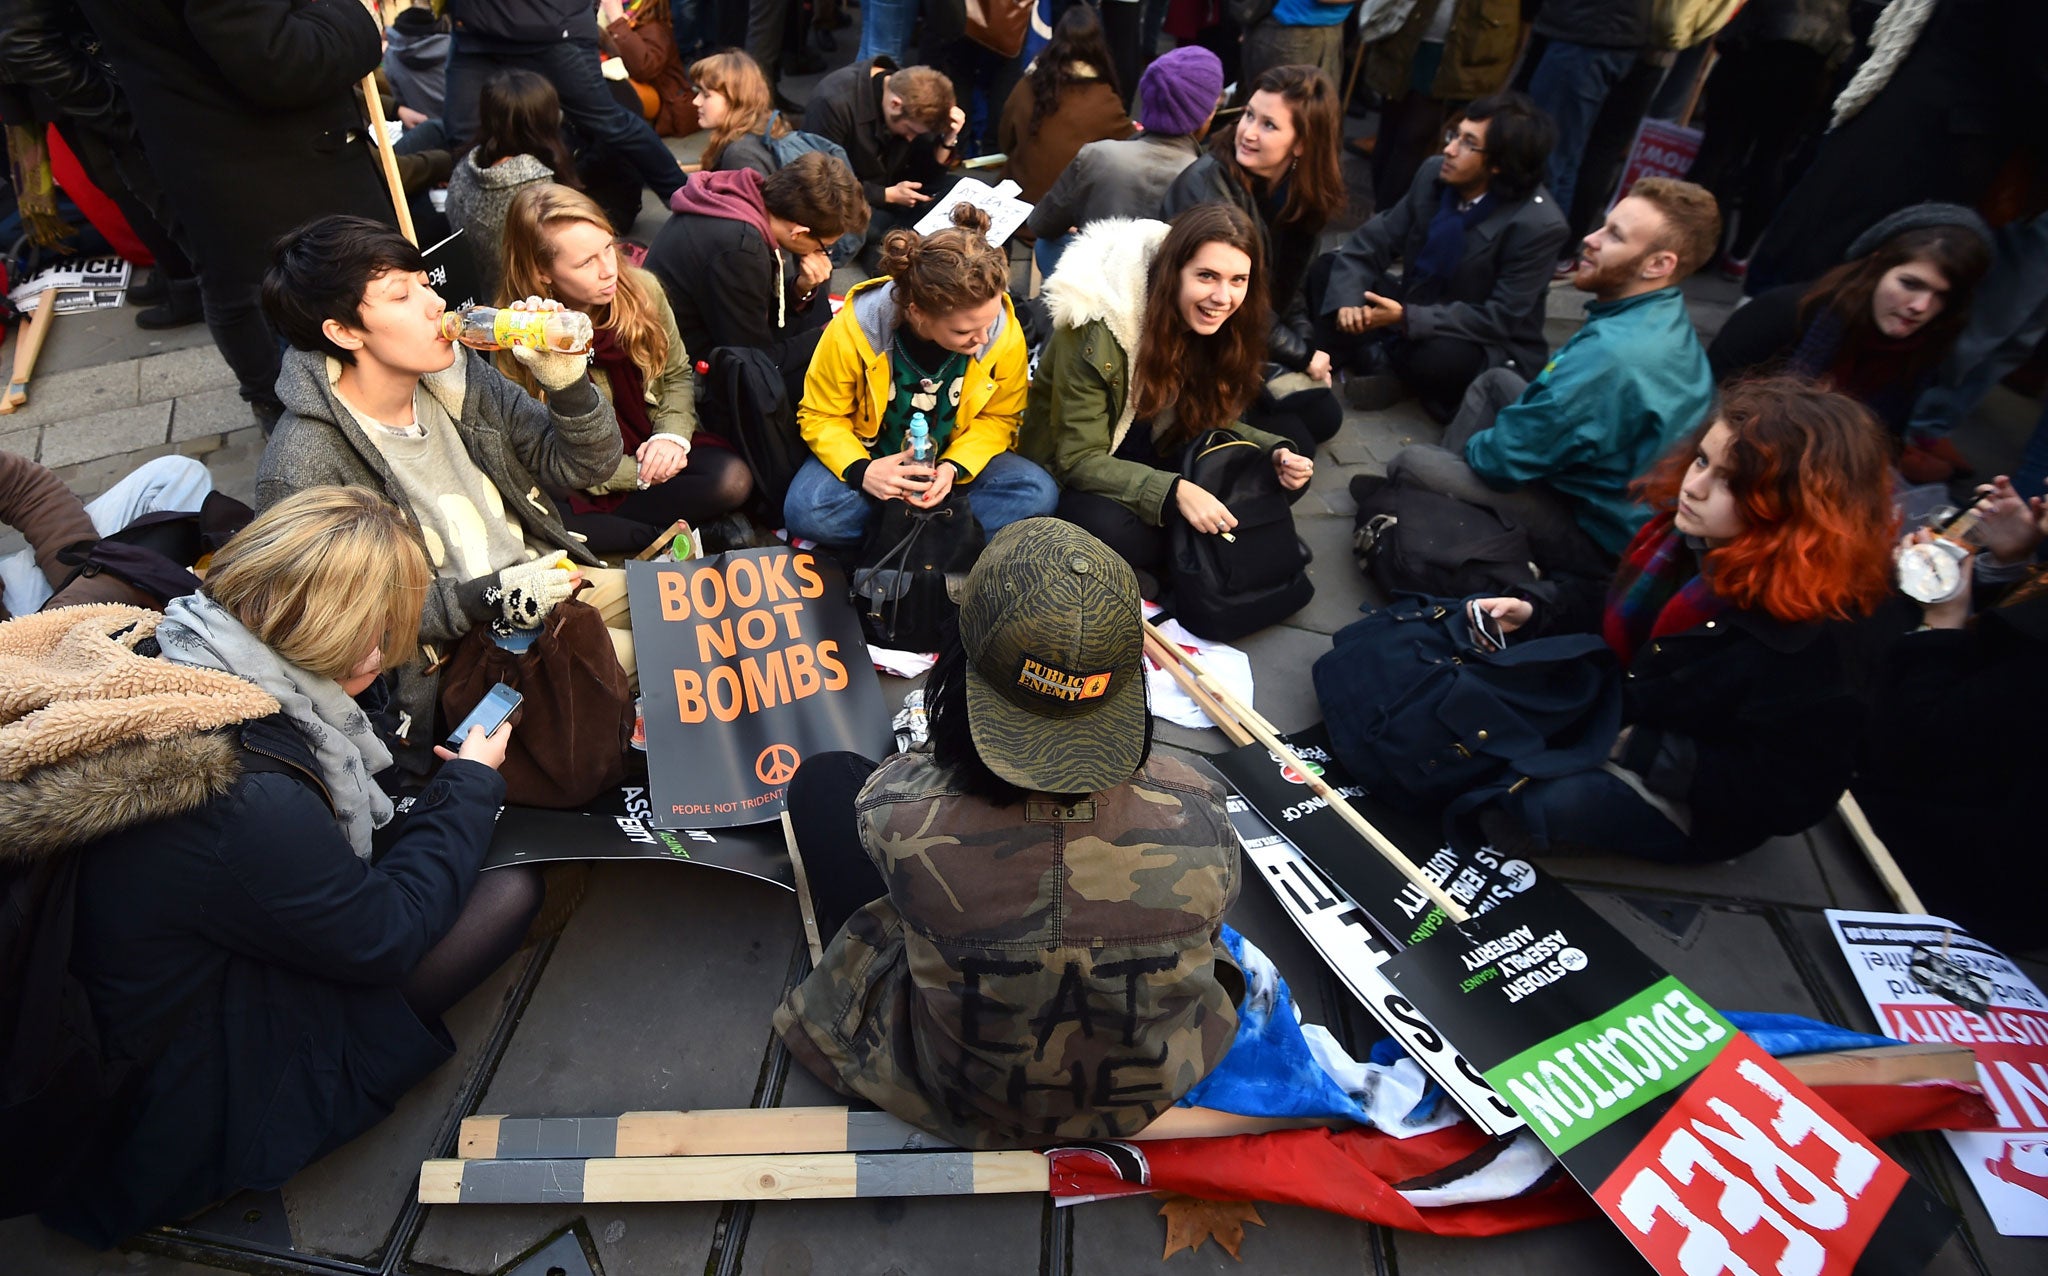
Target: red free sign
x,y
1750,1173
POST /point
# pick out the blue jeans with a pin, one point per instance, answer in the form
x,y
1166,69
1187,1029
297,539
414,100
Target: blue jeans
x,y
1047,252
1571,83
821,508
571,66
167,483
1597,813
885,27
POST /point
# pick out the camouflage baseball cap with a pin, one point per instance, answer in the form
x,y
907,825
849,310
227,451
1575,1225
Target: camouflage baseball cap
x,y
1055,677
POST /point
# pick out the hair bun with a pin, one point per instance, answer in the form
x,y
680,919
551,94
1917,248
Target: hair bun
x,y
968,217
900,250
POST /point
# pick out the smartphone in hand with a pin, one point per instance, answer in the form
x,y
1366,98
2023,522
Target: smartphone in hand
x,y
491,712
1486,631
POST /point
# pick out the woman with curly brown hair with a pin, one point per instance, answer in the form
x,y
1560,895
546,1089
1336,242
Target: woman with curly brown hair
x,y
1772,531
1159,336
934,337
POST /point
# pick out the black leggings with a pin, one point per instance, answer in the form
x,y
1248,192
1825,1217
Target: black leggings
x,y
1145,547
715,483
841,878
1305,418
494,919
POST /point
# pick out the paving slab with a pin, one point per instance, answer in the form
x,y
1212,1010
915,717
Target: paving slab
x,y
1782,869
114,433
1732,956
1281,692
657,996
182,372
94,338
198,413
896,1236
55,396
1340,586
21,442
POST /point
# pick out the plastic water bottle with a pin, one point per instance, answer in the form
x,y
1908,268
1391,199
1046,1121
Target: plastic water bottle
x,y
490,328
920,439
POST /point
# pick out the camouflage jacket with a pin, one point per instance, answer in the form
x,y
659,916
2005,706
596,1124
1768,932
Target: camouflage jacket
x,y
1037,973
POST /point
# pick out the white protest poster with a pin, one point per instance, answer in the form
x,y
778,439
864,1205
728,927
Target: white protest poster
x,y
1005,211
1927,979
81,283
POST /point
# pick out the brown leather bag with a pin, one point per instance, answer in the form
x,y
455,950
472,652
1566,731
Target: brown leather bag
x,y
1000,25
570,737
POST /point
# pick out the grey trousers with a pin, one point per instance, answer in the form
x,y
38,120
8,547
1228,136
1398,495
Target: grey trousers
x,y
1557,543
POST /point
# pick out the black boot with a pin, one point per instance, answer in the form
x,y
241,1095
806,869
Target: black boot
x,y
150,293
181,307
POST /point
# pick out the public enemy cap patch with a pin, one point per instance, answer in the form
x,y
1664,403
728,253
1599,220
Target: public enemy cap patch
x,y
1054,683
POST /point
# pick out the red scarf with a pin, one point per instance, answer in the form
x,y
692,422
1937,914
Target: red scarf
x,y
1659,590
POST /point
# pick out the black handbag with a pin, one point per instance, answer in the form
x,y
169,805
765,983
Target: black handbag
x,y
1427,720
900,588
1412,540
1227,588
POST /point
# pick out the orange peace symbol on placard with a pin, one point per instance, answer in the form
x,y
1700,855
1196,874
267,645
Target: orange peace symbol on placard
x,y
776,764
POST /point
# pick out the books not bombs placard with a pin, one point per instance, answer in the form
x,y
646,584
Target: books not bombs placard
x,y
1703,1150
750,662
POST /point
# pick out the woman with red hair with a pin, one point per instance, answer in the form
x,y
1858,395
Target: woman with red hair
x,y
1772,530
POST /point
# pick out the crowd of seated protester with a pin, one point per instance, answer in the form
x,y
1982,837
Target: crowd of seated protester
x,y
1726,517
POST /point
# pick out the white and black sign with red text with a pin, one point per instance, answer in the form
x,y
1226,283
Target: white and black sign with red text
x,y
1927,979
1701,1148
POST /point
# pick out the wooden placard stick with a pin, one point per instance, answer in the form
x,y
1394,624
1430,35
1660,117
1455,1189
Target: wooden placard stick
x,y
772,1131
1264,733
1880,857
807,1176
1886,1065
1165,659
803,893
375,101
28,343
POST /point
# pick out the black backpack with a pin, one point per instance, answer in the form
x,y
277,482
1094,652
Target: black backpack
x,y
1420,542
900,586
59,1091
752,405
1225,589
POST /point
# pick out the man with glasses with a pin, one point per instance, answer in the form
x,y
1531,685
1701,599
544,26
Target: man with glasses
x,y
1474,240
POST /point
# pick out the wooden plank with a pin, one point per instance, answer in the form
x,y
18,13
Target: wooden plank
x,y
804,1176
1886,1065
769,1131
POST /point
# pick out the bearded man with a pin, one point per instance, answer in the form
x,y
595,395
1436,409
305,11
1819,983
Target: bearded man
x,y
1556,454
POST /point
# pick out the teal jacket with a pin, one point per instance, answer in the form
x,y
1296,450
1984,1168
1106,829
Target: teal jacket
x,y
1603,409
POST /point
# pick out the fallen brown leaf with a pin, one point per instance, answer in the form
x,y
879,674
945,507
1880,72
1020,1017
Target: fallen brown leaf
x,y
1191,1220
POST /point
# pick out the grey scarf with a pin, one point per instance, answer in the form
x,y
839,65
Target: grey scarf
x,y
198,631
